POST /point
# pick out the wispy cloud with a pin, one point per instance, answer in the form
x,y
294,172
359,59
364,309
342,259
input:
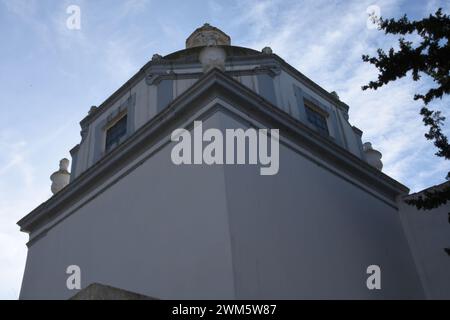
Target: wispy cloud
x,y
22,8
131,7
22,188
28,13
323,39
119,64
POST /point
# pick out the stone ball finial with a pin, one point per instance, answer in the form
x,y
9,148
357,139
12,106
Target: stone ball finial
x,y
92,110
64,164
267,50
156,57
60,178
334,93
207,35
373,157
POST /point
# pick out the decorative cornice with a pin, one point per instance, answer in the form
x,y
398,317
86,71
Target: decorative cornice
x,y
357,131
311,84
74,150
154,78
438,187
154,72
213,84
272,70
130,102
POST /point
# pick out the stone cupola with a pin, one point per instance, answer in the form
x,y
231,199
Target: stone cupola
x,y
207,35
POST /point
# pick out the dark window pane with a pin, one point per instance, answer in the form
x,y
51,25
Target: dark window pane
x,y
116,132
317,120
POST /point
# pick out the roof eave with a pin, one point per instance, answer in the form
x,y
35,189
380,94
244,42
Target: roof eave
x,y
213,79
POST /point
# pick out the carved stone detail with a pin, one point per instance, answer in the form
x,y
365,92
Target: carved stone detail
x,y
60,178
213,57
272,70
207,35
267,50
156,57
154,78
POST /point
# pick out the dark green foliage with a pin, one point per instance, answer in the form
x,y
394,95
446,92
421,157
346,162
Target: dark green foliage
x,y
430,57
431,199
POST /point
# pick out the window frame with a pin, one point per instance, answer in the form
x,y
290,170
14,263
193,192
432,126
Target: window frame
x,y
319,111
109,125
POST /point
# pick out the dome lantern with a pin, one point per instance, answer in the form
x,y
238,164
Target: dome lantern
x,y
206,36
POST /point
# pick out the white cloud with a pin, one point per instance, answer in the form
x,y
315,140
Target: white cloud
x,y
28,12
20,192
325,40
119,64
23,8
134,6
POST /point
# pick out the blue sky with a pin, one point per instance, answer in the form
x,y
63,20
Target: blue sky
x,y
50,76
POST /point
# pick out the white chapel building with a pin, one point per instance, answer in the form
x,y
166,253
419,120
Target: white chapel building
x,y
130,218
